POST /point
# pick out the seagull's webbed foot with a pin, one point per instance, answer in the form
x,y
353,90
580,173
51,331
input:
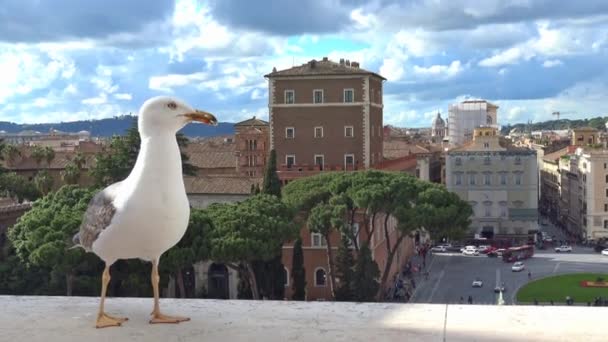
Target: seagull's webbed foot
x,y
104,320
158,317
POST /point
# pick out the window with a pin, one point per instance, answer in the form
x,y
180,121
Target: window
x,y
486,145
606,178
349,160
486,161
605,207
349,131
458,179
486,179
517,160
319,132
471,179
320,160
488,210
503,179
605,224
290,160
317,95
349,95
518,179
317,240
606,192
605,165
290,96
458,161
252,145
290,132
320,277
286,276
503,211
489,120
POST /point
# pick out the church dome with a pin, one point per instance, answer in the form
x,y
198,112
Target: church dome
x,y
438,121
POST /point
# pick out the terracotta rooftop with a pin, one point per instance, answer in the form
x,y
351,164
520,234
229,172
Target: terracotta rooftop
x,y
554,157
220,184
322,68
212,152
59,162
393,149
252,122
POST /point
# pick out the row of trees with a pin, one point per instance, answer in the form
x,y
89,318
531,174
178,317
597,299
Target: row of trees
x,y
246,236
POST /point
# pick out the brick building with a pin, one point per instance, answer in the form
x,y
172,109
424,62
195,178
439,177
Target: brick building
x,y
325,115
251,138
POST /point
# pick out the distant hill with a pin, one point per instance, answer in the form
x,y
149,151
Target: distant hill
x,y
114,126
597,122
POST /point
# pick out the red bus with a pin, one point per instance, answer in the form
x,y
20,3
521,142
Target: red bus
x,y
518,253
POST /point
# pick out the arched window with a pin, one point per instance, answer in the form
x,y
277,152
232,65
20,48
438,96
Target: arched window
x,y
489,119
320,277
286,276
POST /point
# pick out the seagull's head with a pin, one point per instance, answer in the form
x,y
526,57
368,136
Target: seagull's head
x,y
164,114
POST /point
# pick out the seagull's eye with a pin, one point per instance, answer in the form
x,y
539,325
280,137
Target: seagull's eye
x,y
172,105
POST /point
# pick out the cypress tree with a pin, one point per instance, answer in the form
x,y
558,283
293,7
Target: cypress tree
x,y
365,282
298,273
345,263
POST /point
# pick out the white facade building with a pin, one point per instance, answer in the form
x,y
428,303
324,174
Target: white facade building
x,y
464,117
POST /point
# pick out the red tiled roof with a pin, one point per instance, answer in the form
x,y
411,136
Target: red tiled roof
x,y
322,68
219,184
213,152
393,149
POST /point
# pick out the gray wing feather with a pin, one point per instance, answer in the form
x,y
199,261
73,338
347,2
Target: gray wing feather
x,y
97,217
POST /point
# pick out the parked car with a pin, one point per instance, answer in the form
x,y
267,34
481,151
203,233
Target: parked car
x,y
563,248
547,239
487,250
477,282
499,252
439,249
492,254
518,266
500,288
605,252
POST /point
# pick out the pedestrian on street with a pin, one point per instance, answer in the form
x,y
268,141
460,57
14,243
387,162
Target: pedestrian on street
x,y
529,274
461,300
426,275
470,300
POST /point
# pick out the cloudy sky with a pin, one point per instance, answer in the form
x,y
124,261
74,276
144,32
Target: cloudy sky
x,y
65,60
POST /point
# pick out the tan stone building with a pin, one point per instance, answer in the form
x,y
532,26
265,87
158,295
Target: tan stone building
x,y
499,181
326,115
593,171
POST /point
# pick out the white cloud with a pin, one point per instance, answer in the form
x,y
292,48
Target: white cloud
x,y
392,69
507,57
167,82
550,63
440,70
123,96
101,99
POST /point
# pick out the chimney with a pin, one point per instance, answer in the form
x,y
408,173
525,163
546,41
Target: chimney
x,y
347,63
325,59
341,61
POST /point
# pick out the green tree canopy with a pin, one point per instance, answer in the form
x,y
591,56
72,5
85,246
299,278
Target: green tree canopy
x,y
272,184
251,230
193,247
14,186
43,235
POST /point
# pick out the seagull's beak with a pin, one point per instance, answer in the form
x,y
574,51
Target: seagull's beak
x,y
201,116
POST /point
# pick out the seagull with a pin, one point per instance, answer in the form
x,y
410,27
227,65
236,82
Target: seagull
x,y
147,213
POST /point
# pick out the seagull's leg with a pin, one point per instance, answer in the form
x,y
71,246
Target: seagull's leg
x,y
158,317
104,320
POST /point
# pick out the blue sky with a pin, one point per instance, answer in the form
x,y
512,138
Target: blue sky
x,y
67,60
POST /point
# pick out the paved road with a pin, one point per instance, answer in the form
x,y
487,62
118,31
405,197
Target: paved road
x,y
451,274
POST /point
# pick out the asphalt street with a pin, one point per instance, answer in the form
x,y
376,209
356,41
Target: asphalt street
x,y
451,274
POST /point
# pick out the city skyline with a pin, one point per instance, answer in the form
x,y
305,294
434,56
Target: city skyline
x,y
71,61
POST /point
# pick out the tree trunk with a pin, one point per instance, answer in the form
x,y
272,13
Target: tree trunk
x,y
180,283
69,282
387,267
330,266
253,282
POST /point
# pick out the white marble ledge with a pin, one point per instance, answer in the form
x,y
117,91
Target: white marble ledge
x,y
52,319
